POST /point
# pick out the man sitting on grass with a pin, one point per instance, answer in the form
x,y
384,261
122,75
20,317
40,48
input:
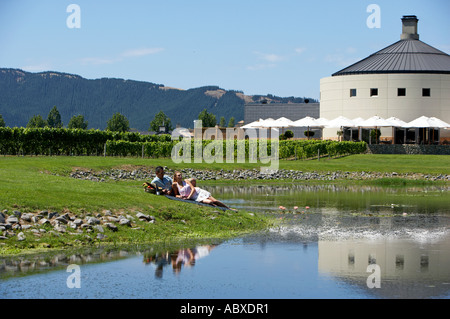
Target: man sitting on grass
x,y
163,183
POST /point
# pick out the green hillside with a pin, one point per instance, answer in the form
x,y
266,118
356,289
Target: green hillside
x,y
24,94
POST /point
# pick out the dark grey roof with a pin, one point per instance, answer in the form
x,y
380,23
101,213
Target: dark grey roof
x,y
404,56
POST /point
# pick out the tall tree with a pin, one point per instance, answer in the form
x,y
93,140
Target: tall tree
x,y
208,119
222,121
36,121
118,123
2,121
161,119
54,118
77,121
231,122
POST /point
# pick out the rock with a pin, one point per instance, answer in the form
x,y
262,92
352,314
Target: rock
x,y
21,236
26,217
99,228
2,218
125,221
44,221
35,218
61,219
142,216
60,228
78,222
52,214
17,213
93,221
111,226
12,220
101,236
72,225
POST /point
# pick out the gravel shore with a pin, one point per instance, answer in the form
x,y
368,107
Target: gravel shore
x,y
143,174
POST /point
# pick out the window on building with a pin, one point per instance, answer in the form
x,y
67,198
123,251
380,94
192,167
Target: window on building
x,y
401,92
373,92
426,92
352,92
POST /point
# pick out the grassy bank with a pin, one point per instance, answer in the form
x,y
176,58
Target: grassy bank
x,y
34,184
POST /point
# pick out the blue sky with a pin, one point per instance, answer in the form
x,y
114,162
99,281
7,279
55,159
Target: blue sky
x,y
281,47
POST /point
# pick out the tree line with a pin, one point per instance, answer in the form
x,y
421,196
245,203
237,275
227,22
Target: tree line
x,y
118,122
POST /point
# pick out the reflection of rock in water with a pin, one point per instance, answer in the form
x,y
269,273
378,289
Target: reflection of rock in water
x,y
31,264
321,226
12,266
295,188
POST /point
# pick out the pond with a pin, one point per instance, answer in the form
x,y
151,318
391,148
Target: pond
x,y
339,242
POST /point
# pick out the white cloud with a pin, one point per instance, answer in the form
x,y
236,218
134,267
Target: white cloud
x,y
270,57
36,67
133,53
261,66
97,61
300,50
269,61
141,52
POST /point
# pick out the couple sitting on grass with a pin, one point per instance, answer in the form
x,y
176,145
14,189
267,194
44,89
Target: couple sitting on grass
x,y
184,189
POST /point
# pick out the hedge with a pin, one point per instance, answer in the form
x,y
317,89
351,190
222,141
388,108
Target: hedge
x,y
61,141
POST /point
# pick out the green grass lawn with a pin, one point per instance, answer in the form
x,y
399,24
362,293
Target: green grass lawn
x,y
33,184
43,183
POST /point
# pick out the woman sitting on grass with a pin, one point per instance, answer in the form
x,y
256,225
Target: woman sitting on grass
x,y
186,189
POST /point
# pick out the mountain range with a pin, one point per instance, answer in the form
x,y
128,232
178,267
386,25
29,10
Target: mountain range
x,y
25,94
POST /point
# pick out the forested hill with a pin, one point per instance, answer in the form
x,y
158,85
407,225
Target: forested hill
x,y
24,94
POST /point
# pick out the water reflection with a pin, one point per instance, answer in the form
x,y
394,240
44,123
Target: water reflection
x,y
323,251
337,198
185,257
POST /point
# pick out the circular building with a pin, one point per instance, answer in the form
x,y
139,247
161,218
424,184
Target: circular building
x,y
407,79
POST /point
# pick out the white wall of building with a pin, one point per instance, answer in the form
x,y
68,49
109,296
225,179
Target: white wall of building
x,y
335,99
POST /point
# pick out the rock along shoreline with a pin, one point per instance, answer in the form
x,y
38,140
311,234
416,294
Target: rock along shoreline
x,y
144,174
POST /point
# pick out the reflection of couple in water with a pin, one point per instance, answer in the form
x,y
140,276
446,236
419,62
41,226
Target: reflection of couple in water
x,y
187,189
186,257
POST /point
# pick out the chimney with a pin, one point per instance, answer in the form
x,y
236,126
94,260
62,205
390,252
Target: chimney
x,y
409,28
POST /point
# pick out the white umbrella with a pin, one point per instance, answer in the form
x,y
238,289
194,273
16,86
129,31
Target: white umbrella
x,y
426,122
308,122
340,121
375,121
439,123
305,122
396,122
284,121
322,121
254,124
270,122
358,120
420,122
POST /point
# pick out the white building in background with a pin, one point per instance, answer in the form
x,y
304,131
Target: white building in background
x,y
406,80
